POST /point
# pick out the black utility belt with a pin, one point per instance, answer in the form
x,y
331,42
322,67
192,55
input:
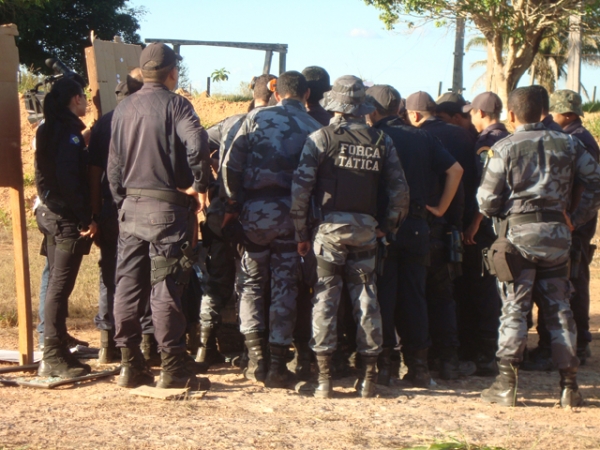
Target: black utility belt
x,y
175,197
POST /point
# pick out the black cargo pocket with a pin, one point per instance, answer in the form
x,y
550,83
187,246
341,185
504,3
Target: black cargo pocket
x,y
507,261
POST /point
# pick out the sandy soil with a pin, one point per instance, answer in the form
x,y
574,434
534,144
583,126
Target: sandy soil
x,y
240,414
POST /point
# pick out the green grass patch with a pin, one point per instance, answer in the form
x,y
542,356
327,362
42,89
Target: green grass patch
x,y
28,180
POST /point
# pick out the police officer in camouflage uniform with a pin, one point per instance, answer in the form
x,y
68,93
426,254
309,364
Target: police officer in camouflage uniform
x,y
565,106
257,177
220,264
348,166
527,185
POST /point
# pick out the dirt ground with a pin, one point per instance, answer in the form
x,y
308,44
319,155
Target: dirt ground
x,y
237,413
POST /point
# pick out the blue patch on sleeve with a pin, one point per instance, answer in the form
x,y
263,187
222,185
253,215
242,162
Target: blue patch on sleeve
x,y
75,139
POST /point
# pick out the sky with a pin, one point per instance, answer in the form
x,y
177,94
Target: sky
x,y
343,36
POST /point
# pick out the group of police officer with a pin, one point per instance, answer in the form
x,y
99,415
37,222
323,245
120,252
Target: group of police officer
x,y
344,218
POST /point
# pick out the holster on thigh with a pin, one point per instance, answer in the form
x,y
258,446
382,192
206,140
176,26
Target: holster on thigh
x,y
504,260
161,267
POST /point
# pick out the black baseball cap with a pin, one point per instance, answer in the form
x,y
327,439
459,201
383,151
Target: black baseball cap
x,y
487,102
157,56
384,96
450,103
420,101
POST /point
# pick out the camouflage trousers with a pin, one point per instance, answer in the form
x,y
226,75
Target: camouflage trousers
x,y
337,244
220,267
277,262
553,295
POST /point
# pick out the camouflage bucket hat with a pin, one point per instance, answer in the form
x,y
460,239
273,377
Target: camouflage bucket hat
x,y
566,101
347,96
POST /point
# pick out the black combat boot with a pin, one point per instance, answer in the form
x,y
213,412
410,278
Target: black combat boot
x,y
208,351
384,366
486,358
303,360
256,370
278,375
59,362
193,338
324,387
418,370
134,371
175,373
504,390
583,353
149,348
108,352
72,341
365,384
449,366
539,359
194,366
569,394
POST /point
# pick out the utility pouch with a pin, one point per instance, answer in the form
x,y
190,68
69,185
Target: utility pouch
x,y
503,260
315,212
454,244
80,246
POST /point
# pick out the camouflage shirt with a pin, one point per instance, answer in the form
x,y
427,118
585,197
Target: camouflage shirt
x,y
534,170
266,149
305,178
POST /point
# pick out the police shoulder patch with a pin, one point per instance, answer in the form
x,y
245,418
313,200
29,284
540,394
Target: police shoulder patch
x,y
74,139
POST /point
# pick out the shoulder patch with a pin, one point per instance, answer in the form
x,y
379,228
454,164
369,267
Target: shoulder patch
x,y
484,149
74,139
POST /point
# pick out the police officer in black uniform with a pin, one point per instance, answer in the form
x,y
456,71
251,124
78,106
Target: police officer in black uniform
x,y
104,212
158,170
64,217
401,288
318,83
444,231
476,292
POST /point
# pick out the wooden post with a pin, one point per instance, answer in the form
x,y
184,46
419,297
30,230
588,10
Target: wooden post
x,y
440,89
574,54
594,95
17,206
282,56
459,52
177,48
268,58
208,86
11,176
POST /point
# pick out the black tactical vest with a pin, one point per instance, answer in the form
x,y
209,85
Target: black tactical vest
x,y
348,178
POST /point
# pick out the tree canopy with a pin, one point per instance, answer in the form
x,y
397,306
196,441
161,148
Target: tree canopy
x,y
513,29
62,28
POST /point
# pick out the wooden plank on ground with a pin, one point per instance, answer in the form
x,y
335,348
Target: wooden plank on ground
x,y
161,394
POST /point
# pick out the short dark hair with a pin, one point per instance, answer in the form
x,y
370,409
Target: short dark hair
x,y
157,76
292,84
525,103
318,82
544,97
261,90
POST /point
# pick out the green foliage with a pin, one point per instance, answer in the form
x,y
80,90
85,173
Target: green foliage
x,y
62,28
219,75
184,76
232,97
28,179
591,107
28,78
5,222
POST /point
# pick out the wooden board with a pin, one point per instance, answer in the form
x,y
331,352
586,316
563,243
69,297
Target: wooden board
x,y
161,394
108,63
11,176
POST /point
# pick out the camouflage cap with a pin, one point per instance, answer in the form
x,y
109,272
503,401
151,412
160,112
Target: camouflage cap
x,y
347,96
420,101
566,101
